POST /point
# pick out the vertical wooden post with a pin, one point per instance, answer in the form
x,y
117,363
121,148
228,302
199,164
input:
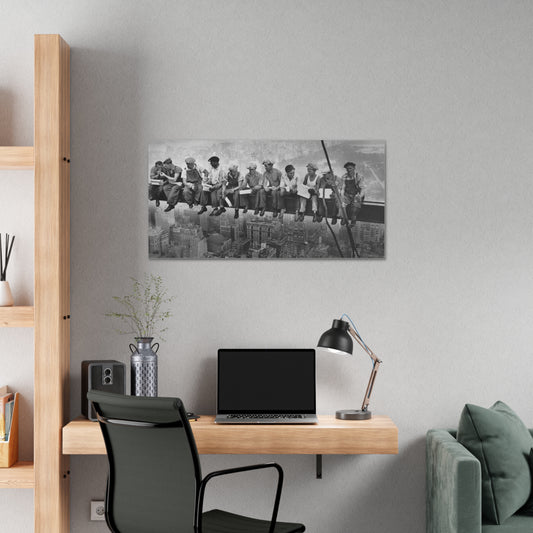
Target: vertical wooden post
x,y
52,281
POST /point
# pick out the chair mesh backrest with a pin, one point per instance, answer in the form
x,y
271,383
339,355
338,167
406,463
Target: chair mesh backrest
x,y
154,472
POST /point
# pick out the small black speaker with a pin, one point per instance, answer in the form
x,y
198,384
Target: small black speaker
x,y
103,375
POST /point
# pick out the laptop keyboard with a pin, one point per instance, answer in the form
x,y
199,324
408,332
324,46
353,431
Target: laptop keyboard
x,y
263,416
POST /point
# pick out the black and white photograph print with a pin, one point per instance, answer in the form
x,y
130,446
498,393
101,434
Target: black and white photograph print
x,y
257,199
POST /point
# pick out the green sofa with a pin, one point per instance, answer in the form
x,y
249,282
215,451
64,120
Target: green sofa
x,y
453,490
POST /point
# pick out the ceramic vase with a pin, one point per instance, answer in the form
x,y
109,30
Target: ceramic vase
x,y
6,298
144,367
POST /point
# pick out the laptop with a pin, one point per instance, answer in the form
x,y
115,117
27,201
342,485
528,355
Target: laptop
x,y
266,387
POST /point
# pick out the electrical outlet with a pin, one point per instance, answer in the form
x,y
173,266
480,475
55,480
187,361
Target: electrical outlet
x,y
97,510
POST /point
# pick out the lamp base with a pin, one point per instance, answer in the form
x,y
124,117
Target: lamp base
x,y
351,414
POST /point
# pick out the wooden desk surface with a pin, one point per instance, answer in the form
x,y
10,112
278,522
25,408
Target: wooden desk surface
x,y
379,435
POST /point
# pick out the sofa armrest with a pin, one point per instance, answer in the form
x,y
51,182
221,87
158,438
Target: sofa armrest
x,y
453,485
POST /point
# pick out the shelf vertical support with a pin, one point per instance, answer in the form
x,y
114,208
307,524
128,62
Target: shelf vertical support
x,y
52,281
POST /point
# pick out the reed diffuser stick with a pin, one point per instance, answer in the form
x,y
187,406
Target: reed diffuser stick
x,y
5,255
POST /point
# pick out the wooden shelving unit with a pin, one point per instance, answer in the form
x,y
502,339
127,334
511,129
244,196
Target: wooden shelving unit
x,y
16,317
17,158
20,476
49,473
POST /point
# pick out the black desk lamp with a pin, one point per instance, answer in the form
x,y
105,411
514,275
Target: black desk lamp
x,y
338,340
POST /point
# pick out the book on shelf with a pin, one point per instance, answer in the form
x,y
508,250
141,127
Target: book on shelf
x,y
9,421
10,406
5,398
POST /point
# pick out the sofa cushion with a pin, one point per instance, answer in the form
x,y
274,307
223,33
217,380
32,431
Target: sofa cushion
x,y
528,507
501,442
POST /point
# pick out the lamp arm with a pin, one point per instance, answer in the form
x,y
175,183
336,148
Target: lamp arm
x,y
375,367
370,385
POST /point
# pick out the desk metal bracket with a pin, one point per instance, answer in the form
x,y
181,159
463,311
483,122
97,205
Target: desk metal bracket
x,y
319,466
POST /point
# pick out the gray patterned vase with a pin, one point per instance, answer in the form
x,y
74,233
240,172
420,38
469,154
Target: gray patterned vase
x,y
144,367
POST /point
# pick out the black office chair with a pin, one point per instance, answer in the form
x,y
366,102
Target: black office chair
x,y
155,483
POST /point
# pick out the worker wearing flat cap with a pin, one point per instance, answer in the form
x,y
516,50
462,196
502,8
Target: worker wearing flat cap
x,y
192,181
172,183
231,188
212,183
155,182
329,186
255,182
272,177
352,192
288,189
307,190
170,169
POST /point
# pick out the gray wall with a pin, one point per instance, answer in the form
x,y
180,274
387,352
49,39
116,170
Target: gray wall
x,y
447,84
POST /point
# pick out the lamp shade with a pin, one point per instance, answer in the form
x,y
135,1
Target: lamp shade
x,y
337,339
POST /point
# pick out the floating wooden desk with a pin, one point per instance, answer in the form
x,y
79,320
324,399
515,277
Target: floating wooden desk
x,y
330,436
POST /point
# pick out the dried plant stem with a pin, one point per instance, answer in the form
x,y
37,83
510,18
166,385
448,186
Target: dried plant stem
x,y
5,255
142,314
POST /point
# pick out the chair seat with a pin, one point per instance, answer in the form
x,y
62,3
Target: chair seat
x,y
216,521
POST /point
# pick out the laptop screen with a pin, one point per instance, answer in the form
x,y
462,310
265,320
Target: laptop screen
x,y
266,381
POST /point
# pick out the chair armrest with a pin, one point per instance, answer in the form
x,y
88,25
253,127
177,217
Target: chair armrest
x,y
203,484
453,490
